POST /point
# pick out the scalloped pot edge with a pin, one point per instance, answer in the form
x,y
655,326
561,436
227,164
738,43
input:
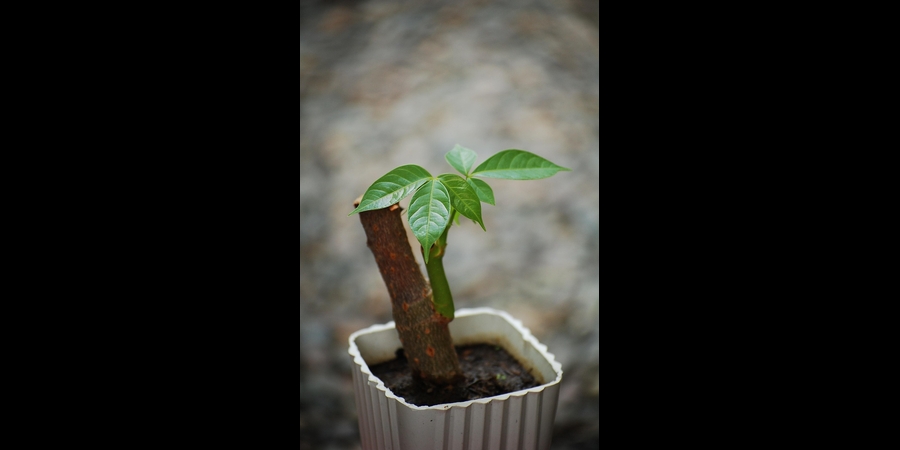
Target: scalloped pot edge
x,y
521,420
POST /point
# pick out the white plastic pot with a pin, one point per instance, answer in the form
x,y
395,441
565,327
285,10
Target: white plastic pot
x,y
521,420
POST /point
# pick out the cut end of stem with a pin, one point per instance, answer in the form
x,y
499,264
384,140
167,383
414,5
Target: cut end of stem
x,y
359,199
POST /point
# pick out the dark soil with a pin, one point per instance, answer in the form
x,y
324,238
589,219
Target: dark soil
x,y
488,369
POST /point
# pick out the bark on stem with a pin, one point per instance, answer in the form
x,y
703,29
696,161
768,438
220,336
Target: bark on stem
x,y
423,332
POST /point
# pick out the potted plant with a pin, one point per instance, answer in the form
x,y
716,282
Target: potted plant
x,y
436,377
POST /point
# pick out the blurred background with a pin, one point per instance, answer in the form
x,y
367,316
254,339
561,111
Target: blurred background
x,y
387,83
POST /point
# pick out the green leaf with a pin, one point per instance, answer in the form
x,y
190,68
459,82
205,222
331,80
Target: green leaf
x,y
429,213
517,165
484,192
461,159
392,187
463,198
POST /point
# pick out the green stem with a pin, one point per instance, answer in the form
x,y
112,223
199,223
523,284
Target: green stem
x,y
442,298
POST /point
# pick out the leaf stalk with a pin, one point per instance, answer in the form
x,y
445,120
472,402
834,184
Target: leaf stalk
x,y
440,288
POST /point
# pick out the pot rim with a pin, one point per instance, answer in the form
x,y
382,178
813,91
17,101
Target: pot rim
x,y
463,312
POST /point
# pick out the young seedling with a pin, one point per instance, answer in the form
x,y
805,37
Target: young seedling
x,y
421,310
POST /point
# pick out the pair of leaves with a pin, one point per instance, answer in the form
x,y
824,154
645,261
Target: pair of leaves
x,y
435,198
430,207
508,164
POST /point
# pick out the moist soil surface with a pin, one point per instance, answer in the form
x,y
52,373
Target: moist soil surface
x,y
488,369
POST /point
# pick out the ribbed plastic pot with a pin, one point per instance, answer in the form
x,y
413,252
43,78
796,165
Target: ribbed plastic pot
x,y
521,420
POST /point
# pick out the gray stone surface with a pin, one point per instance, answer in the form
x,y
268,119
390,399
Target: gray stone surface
x,y
390,83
